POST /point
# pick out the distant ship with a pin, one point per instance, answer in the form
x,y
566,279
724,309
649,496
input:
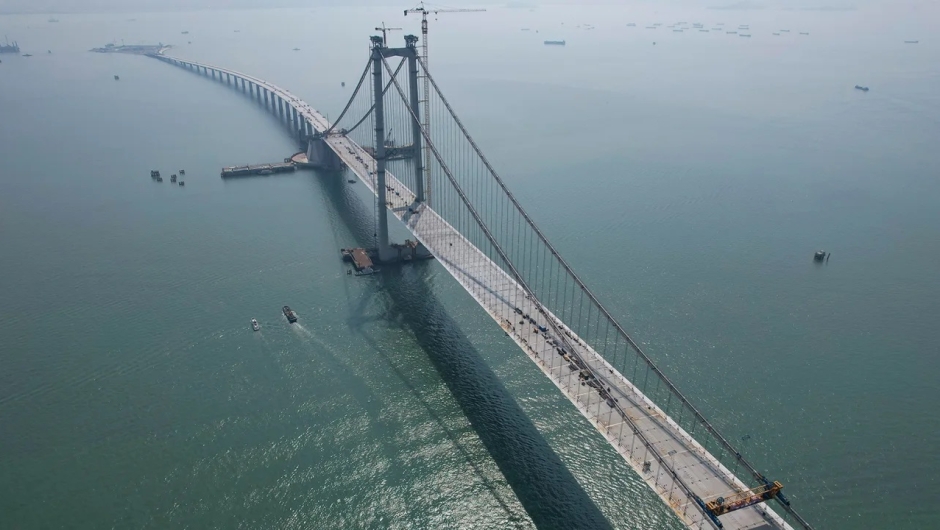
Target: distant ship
x,y
555,42
911,42
804,33
10,48
744,35
53,20
631,25
862,88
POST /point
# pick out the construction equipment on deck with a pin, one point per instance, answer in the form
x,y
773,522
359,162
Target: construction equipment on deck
x,y
723,505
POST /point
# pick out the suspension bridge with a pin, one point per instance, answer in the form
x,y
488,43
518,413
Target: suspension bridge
x,y
432,177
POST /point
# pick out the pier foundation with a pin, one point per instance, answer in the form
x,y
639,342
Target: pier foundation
x,y
320,156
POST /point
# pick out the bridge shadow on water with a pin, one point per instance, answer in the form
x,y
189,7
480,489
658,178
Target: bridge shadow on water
x,y
547,490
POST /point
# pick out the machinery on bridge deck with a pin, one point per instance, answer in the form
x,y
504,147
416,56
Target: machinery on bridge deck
x,y
723,505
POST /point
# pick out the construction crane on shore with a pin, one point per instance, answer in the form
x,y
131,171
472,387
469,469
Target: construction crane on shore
x,y
384,30
427,96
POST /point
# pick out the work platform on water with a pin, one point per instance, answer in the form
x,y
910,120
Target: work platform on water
x,y
690,479
258,169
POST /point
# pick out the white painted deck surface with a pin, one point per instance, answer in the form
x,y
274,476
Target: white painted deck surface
x,y
500,295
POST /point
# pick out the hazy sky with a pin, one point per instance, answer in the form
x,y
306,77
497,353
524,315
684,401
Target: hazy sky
x,y
84,6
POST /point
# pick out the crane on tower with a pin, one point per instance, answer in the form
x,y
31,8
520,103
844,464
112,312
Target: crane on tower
x,y
384,30
427,97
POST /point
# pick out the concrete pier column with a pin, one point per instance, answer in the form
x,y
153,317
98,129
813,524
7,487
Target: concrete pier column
x,y
293,111
320,156
280,108
378,47
266,104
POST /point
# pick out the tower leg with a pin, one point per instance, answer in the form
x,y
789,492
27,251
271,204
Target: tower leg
x,y
385,252
416,137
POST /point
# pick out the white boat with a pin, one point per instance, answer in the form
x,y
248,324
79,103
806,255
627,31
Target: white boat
x,y
254,325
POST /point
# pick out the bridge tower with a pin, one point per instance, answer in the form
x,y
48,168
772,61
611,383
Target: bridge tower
x,y
378,55
379,52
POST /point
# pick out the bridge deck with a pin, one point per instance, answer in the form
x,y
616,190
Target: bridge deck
x,y
506,302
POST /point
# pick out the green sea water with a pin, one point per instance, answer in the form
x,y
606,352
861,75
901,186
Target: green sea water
x,y
689,183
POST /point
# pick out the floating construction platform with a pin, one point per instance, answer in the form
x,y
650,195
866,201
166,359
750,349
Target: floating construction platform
x,y
260,169
360,259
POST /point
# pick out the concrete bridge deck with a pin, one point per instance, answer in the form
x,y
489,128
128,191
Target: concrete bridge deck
x,y
508,304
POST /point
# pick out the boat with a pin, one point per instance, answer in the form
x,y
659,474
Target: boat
x,y
911,42
159,179
819,255
776,34
181,183
173,177
10,48
184,33
27,55
804,33
289,313
343,84
154,173
117,78
53,20
182,172
731,32
254,325
862,88
296,49
744,35
555,42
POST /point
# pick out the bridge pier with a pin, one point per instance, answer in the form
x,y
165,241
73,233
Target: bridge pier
x,y
321,156
280,108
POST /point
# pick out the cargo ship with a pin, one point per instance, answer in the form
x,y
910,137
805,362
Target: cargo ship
x,y
555,43
9,48
289,313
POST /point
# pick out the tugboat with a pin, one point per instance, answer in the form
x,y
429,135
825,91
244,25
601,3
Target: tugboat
x,y
289,313
820,255
862,88
254,325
